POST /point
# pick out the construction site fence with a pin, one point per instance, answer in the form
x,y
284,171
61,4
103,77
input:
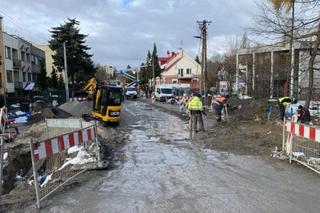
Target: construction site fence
x,y
3,118
301,143
59,159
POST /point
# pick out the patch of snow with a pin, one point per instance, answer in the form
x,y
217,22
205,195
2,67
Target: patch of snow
x,y
20,113
313,160
82,158
19,120
48,178
244,97
5,156
298,154
15,105
73,149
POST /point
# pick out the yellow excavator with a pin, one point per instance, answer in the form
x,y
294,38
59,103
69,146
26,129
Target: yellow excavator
x,y
107,101
90,87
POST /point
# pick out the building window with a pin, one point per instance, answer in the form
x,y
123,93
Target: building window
x,y
34,77
29,76
28,57
24,75
174,81
23,56
16,76
8,52
188,71
9,76
36,60
180,71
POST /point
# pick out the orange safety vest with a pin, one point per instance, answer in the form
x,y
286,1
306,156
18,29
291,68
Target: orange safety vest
x,y
219,100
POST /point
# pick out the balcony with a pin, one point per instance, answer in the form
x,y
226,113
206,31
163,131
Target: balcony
x,y
16,64
185,76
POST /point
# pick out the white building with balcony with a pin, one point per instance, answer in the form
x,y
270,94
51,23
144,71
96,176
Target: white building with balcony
x,y
180,68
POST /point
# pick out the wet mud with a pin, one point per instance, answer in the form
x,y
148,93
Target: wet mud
x,y
160,167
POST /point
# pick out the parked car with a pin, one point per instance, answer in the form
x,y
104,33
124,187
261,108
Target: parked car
x,y
131,92
163,92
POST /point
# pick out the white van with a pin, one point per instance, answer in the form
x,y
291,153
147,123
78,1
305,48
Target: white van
x,y
163,92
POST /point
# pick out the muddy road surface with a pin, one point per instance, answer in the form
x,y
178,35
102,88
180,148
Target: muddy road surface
x,y
164,170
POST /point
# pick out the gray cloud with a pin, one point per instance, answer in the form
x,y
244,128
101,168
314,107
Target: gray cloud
x,y
121,31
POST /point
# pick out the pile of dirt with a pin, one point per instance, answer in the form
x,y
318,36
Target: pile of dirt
x,y
76,108
252,109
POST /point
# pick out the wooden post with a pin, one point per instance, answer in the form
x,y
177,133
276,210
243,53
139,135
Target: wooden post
x,y
271,74
253,70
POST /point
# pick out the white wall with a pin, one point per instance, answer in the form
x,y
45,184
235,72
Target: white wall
x,y
184,63
11,42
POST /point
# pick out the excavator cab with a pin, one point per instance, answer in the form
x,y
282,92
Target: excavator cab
x,y
107,103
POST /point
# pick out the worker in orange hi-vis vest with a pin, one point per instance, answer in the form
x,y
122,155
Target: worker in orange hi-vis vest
x,y
218,105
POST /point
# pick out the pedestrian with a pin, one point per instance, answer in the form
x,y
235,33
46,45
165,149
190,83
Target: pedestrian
x,y
283,103
195,109
303,114
218,104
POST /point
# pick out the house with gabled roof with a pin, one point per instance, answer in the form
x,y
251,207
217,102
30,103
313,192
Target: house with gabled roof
x,y
180,68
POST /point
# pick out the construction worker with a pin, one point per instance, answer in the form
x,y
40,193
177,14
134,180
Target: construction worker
x,y
195,108
303,114
218,105
283,103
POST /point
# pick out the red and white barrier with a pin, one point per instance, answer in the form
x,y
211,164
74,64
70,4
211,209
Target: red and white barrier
x,y
49,147
304,131
3,119
302,144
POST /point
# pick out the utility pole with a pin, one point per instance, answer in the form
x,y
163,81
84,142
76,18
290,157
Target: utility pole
x,y
153,80
291,80
204,75
66,81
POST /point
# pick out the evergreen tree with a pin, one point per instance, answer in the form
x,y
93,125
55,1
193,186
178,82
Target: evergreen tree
x,y
143,74
61,84
149,66
42,80
53,81
78,59
157,69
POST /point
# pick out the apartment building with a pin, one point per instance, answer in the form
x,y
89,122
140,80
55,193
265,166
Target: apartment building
x,y
22,62
2,90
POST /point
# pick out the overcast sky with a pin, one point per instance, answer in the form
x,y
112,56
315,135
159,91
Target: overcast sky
x,y
120,32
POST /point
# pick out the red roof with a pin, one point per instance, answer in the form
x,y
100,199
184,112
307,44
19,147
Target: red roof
x,y
165,60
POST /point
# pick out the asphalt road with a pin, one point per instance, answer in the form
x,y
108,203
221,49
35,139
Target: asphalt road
x,y
166,170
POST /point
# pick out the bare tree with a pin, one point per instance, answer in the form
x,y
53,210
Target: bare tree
x,y
276,24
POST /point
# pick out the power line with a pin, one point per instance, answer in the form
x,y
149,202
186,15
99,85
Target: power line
x,y
17,24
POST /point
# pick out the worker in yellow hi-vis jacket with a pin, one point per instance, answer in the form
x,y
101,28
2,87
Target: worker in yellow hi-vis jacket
x,y
195,108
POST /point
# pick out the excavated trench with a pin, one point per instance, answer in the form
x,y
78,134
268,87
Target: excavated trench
x,y
19,164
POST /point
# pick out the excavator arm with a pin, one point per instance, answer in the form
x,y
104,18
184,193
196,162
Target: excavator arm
x,y
91,87
91,84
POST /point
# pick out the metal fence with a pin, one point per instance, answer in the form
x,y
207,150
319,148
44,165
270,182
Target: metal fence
x,y
3,118
59,159
301,143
